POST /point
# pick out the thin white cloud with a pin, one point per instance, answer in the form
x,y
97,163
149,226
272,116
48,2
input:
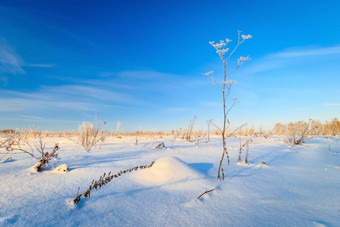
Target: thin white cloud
x,y
289,57
88,92
40,65
10,62
309,52
144,75
29,105
66,97
31,118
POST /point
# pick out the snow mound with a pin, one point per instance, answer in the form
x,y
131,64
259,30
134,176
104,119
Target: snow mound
x,y
34,169
166,170
67,141
63,168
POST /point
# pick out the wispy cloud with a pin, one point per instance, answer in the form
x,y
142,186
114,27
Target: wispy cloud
x,y
40,65
10,62
66,97
309,52
289,57
148,80
32,105
87,92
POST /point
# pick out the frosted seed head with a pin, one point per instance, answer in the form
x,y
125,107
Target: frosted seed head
x,y
229,82
246,37
243,59
208,73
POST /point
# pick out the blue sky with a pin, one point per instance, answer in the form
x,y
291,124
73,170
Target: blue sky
x,y
64,62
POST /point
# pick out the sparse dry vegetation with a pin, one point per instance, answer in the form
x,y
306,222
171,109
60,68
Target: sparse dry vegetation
x,y
14,141
103,180
189,131
89,135
244,147
316,128
46,157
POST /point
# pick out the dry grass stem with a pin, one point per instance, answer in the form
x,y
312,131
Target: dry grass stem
x,y
103,180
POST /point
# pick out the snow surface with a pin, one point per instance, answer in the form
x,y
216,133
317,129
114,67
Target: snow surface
x,y
298,186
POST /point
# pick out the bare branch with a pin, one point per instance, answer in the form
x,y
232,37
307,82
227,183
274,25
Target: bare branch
x,y
238,66
234,103
209,74
206,192
237,130
216,126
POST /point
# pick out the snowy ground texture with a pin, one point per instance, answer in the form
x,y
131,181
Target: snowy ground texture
x,y
300,186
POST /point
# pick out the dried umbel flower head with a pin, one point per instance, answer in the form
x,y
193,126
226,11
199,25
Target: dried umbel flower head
x,y
208,73
229,82
246,36
243,59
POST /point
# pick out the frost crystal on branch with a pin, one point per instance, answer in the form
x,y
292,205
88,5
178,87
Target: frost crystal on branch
x,y
229,82
243,59
208,73
246,36
223,51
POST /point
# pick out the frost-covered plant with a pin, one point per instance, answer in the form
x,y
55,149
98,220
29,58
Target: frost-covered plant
x,y
208,123
14,141
103,180
190,129
46,157
89,135
225,86
300,132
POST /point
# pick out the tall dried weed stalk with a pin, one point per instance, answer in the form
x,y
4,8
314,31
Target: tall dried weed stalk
x,y
189,131
225,85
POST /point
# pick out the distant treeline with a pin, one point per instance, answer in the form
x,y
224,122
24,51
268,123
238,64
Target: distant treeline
x,y
314,126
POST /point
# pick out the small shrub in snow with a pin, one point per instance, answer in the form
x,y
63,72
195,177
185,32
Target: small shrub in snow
x,y
46,158
103,180
300,132
14,141
89,135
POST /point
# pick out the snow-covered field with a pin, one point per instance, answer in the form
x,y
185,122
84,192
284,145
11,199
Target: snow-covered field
x,y
299,186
